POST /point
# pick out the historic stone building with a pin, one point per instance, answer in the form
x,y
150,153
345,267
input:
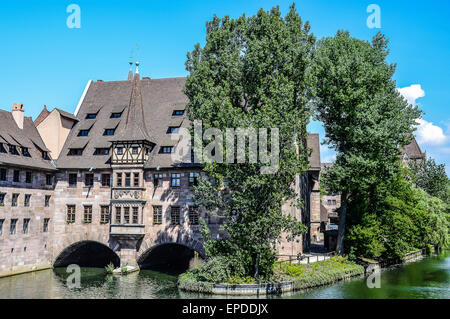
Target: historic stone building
x,y
112,191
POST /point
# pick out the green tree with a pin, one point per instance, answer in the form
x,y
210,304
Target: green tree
x,y
432,178
253,72
365,118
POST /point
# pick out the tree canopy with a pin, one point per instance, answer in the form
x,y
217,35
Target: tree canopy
x,y
253,72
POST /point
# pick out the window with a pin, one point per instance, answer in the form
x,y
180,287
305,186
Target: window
x,y
135,215
71,214
126,215
166,149
136,179
13,150
28,177
26,203
119,150
14,200
106,180
89,180
26,222
83,133
1,226
193,215
73,180
104,215
91,116
172,130
45,155
175,179
47,200
193,178
2,174
118,215
16,177
109,132
175,215
45,226
75,152
87,214
331,202
157,180
116,115
135,150
157,215
127,179
2,148
25,152
178,113
12,227
2,199
119,179
101,151
49,180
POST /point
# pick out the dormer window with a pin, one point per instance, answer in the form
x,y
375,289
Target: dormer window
x,y
109,132
75,152
116,115
167,149
91,116
13,150
45,155
101,151
178,113
83,133
2,148
172,130
25,152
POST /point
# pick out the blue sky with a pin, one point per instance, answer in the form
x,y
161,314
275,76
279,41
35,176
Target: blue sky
x,y
42,61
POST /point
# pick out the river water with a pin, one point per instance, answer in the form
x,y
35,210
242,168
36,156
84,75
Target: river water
x,y
428,278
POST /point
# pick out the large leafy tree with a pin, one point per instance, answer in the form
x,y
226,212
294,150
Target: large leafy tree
x,y
432,178
253,72
365,118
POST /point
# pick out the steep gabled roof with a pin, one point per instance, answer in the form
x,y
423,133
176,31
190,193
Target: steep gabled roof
x,y
27,137
42,116
160,97
134,128
313,143
413,150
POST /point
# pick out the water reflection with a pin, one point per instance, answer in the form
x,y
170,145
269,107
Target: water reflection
x,y
429,278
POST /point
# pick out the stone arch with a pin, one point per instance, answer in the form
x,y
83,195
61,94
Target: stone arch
x,y
170,254
182,239
86,253
69,239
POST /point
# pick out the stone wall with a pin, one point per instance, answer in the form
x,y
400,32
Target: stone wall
x,y
22,252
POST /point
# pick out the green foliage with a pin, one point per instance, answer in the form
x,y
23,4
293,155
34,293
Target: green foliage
x,y
318,273
110,268
366,121
406,219
432,178
253,72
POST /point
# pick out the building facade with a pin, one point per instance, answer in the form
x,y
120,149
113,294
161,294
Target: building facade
x,y
113,188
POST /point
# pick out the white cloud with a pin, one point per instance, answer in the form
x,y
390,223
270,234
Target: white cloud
x,y
428,133
412,93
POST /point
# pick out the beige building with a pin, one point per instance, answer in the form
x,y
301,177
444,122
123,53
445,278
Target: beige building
x,y
116,195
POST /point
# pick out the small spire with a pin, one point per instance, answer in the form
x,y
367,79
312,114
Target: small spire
x,y
130,73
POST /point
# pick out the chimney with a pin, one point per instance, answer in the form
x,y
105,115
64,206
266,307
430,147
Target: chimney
x,y
18,114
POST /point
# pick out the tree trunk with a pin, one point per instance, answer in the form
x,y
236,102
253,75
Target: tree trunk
x,y
257,266
341,230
